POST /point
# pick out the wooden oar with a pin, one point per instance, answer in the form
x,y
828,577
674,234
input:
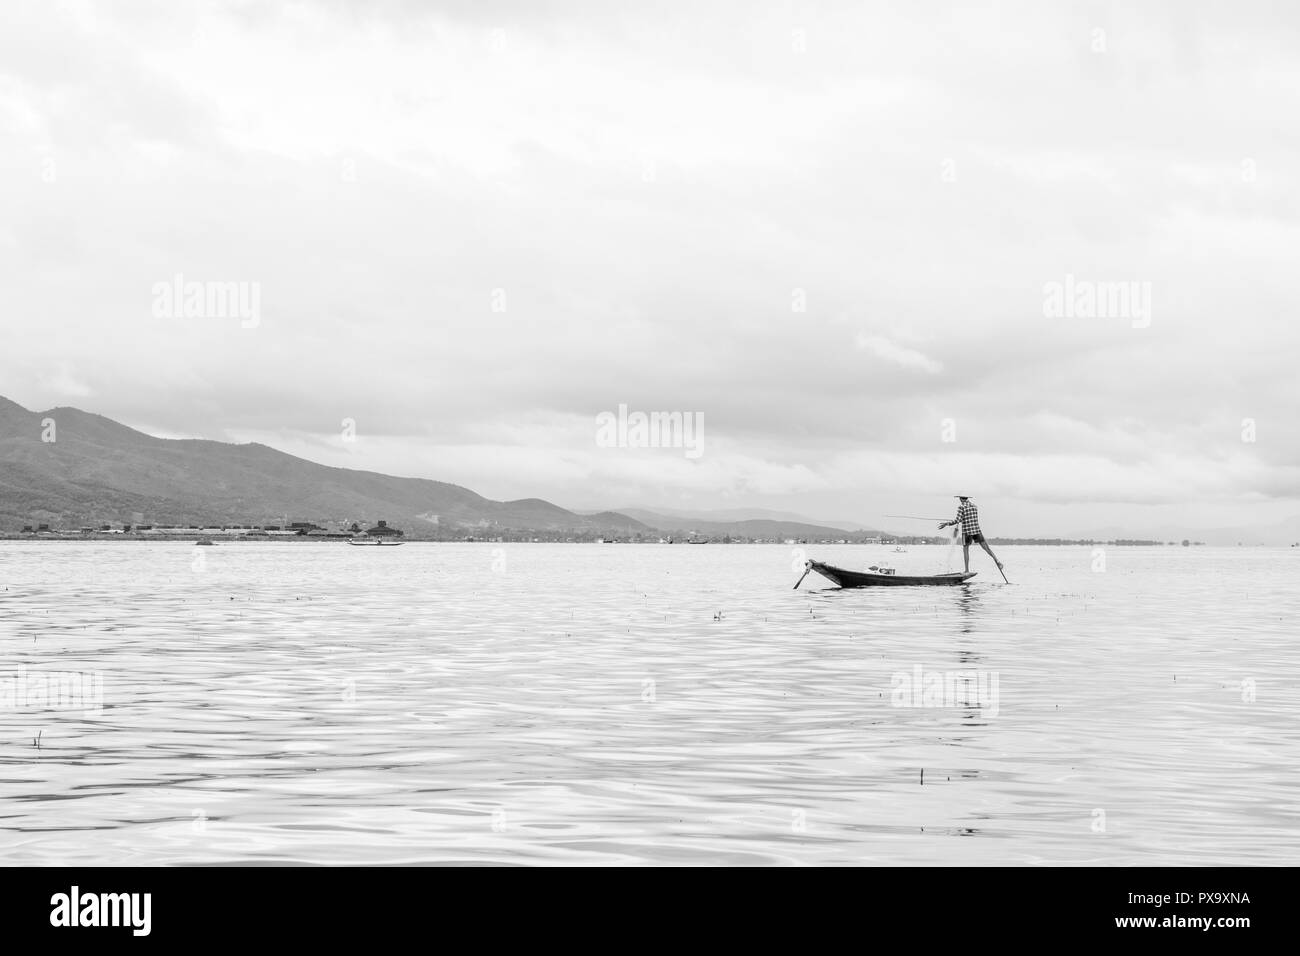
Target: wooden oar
x,y
806,569
1003,573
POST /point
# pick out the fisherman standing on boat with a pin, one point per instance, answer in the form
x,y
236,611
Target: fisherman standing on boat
x,y
968,519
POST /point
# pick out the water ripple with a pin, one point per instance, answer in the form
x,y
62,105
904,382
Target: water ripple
x,y
270,703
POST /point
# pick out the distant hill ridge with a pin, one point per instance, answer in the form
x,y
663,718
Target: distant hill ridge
x,y
774,525
98,471
101,471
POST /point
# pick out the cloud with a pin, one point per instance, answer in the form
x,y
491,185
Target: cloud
x,y
64,382
648,194
889,351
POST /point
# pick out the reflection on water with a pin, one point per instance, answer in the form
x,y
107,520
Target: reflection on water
x,y
967,607
302,702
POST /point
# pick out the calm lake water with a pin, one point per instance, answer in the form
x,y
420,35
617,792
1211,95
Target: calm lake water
x,y
612,704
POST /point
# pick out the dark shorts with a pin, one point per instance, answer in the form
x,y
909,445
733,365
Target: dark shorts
x,y
977,538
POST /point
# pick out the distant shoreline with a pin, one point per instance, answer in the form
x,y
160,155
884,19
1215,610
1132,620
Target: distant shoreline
x,y
177,538
218,539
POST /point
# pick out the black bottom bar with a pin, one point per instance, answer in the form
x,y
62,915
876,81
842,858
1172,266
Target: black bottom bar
x,y
927,907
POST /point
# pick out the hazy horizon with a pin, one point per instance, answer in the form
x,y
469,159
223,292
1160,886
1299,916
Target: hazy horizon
x,y
886,523
1041,256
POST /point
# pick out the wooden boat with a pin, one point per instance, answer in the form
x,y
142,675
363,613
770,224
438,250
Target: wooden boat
x,y
373,543
865,579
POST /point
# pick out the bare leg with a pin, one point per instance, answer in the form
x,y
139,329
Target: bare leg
x,y
965,555
985,546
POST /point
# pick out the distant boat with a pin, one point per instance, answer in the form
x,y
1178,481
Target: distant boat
x,y
205,541
373,543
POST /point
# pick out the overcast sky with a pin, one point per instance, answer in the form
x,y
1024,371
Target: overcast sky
x,y
651,195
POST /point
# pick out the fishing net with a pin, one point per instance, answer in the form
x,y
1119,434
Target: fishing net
x,y
953,540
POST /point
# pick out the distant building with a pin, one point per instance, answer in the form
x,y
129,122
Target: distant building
x,y
382,530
